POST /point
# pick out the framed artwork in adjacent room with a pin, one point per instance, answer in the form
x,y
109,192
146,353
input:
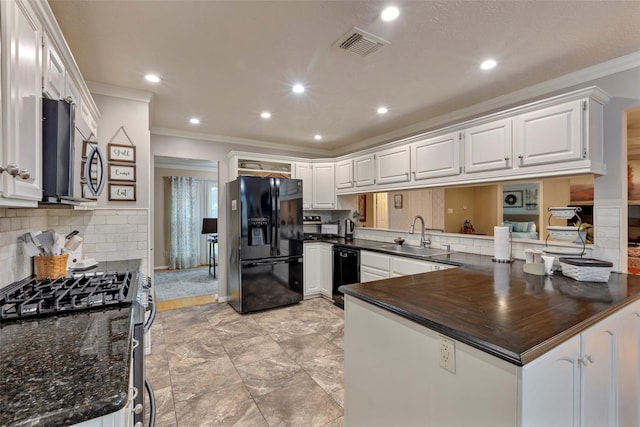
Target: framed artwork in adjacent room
x,y
512,199
362,207
397,201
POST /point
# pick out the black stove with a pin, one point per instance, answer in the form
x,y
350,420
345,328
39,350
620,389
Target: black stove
x,y
32,297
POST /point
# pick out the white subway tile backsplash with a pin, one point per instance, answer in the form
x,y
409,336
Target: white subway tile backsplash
x,y
108,234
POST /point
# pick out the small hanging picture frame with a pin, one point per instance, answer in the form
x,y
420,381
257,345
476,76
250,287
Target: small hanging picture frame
x,y
126,173
122,153
86,146
122,193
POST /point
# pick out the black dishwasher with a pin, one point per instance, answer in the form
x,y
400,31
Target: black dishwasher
x,y
346,270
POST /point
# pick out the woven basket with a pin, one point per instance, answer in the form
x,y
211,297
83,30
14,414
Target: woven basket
x,y
51,266
586,269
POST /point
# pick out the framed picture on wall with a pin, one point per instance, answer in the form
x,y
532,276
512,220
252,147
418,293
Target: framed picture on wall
x,y
362,207
512,199
397,201
122,173
122,153
122,193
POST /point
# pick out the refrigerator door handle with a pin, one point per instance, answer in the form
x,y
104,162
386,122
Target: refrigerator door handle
x,y
276,214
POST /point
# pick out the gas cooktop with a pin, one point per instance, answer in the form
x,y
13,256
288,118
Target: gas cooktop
x,y
32,297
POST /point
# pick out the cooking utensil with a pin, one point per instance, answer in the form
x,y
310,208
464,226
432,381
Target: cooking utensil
x,y
34,239
73,243
30,248
47,240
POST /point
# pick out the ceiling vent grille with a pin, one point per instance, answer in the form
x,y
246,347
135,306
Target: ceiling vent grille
x,y
360,42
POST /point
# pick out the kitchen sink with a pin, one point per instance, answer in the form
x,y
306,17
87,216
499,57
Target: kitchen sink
x,y
415,250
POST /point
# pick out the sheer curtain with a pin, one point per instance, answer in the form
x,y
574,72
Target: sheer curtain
x,y
191,199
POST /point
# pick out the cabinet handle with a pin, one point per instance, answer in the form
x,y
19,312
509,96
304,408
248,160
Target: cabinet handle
x,y
13,170
24,174
587,359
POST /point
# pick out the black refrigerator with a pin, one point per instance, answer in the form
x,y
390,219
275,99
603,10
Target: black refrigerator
x,y
264,229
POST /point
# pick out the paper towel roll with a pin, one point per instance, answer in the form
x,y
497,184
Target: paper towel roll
x,y
501,243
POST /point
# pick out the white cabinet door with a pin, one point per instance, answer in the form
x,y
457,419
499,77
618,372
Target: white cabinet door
x,y
324,186
393,165
21,100
435,157
551,387
326,270
368,274
628,368
303,172
344,174
312,269
552,134
488,146
405,266
373,266
364,174
599,375
54,72
402,266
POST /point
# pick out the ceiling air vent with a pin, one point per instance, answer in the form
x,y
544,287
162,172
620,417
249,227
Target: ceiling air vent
x,y
360,42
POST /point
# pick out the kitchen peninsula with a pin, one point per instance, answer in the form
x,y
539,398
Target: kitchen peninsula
x,y
517,349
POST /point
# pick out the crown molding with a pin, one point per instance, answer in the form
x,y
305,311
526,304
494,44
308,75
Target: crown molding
x,y
588,74
120,92
237,141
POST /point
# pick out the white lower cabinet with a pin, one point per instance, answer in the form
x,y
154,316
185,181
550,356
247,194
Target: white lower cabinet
x,y
628,366
373,266
575,383
377,266
318,278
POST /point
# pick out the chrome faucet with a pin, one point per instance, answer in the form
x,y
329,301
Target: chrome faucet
x,y
424,242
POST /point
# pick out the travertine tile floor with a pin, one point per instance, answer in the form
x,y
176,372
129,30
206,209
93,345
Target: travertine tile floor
x,y
211,366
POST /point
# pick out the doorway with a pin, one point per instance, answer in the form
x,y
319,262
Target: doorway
x,y
185,192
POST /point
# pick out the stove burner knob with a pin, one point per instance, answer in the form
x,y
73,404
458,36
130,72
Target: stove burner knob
x,y
137,409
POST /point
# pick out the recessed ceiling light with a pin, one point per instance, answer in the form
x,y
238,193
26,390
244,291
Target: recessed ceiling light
x,y
383,110
390,13
488,64
298,88
265,115
317,137
194,121
152,78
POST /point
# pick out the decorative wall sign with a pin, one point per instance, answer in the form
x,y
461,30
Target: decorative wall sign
x,y
86,146
122,193
93,171
86,193
512,199
122,153
125,173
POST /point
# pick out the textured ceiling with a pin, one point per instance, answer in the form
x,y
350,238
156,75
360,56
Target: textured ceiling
x,y
226,61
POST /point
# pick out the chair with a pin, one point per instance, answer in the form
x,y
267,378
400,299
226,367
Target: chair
x,y
210,227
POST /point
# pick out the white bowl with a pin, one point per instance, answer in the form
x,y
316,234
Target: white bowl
x,y
564,212
565,233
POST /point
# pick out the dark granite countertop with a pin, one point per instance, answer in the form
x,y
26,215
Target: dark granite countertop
x,y
497,307
63,370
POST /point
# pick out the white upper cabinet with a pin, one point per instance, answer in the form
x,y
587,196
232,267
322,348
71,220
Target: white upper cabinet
x,y
324,185
344,174
364,174
54,72
21,103
393,165
488,146
303,172
549,135
436,157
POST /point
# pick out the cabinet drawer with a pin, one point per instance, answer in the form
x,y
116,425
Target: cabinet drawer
x,y
374,260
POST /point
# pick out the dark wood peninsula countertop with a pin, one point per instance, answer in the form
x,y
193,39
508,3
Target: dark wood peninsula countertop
x,y
496,307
